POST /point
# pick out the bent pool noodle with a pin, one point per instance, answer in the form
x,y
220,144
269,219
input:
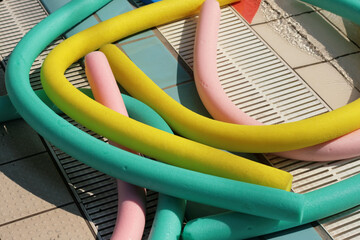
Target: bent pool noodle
x,y
232,137
222,108
142,138
233,225
130,219
178,182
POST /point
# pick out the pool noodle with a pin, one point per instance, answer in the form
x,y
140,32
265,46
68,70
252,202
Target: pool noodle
x,y
232,225
130,220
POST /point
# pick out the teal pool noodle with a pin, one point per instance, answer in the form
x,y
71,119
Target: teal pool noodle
x,y
319,204
168,221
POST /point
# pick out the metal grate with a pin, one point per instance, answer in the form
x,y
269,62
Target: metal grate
x,y
259,82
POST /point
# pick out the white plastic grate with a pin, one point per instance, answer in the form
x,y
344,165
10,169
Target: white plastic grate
x,y
344,226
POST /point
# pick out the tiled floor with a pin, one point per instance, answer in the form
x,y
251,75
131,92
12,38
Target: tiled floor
x,y
38,203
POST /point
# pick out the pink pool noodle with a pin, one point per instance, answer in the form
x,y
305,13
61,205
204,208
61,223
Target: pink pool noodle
x,y
130,220
222,108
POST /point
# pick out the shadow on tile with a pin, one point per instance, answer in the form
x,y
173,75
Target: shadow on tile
x,y
327,39
18,140
350,65
350,29
31,186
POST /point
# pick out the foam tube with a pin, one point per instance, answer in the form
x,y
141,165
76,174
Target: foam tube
x,y
222,108
150,141
232,225
168,221
178,182
238,138
130,220
207,83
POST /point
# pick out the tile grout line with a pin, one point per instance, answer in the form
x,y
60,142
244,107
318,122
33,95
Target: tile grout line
x,y
23,158
281,17
337,28
309,42
36,214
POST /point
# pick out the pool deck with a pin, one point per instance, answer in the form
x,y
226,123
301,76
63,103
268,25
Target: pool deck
x,y
37,200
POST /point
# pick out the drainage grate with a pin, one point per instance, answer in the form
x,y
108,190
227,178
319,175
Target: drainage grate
x,y
259,82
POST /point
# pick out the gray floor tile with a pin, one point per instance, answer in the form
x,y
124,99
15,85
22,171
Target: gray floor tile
x,y
350,68
18,140
275,9
30,186
62,223
327,39
350,29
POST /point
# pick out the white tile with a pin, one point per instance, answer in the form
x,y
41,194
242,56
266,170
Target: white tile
x,y
329,84
291,53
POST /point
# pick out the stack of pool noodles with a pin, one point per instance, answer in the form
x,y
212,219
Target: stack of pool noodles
x,y
270,208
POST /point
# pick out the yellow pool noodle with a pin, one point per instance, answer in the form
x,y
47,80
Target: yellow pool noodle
x,y
130,133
